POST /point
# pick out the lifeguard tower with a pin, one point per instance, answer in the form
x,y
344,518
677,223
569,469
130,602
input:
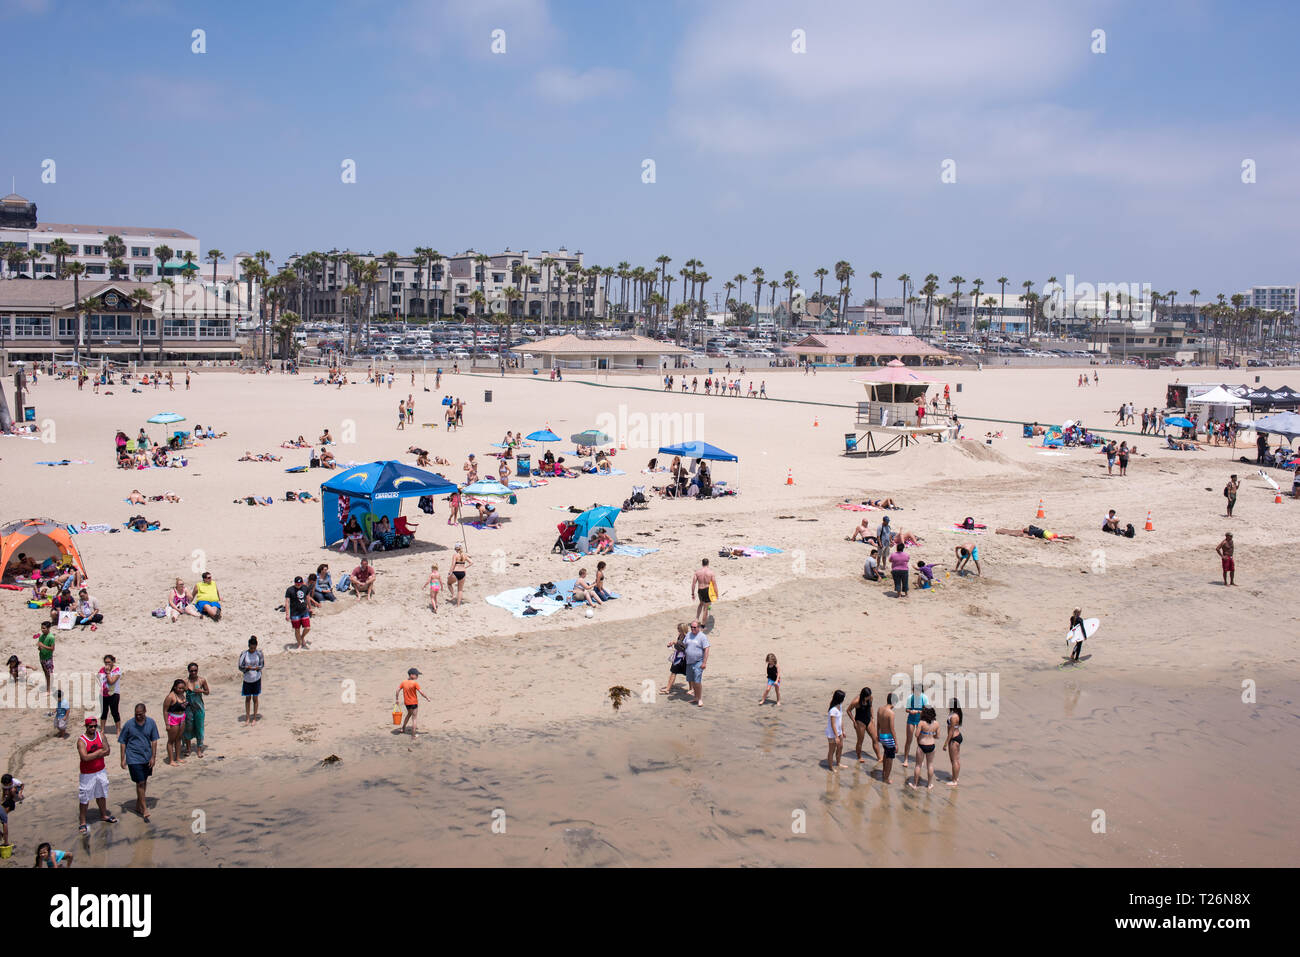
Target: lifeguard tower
x,y
887,420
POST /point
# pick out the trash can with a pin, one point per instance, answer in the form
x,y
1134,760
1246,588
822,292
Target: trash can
x,y
525,461
487,395
534,372
29,413
958,386
850,442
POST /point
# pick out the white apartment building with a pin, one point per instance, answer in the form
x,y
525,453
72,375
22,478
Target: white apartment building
x,y
18,225
1283,298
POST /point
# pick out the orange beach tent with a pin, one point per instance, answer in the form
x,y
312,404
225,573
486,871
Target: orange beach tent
x,y
39,539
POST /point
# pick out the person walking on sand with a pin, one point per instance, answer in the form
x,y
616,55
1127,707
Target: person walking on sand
x,y
434,584
139,740
251,663
916,703
1076,621
885,731
174,713
297,612
401,414
196,688
92,785
952,744
460,562
677,658
835,731
927,735
697,659
1225,549
704,585
773,680
860,712
1230,493
409,693
45,652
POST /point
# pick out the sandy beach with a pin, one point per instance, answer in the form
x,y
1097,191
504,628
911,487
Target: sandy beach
x,y
1173,733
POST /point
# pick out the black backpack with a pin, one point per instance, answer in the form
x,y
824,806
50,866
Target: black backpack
x,y
1130,531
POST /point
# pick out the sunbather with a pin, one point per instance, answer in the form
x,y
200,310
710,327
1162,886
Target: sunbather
x,y
1181,446
1033,531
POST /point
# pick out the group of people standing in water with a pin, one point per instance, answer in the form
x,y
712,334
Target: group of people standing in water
x,y
877,726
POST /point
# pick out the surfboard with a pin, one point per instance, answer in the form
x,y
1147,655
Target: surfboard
x,y
1090,625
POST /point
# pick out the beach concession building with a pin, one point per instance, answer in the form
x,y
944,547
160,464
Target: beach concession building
x,y
40,318
865,350
603,353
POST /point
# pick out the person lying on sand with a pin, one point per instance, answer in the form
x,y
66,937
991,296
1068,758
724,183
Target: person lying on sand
x,y
136,497
259,457
862,532
1033,531
299,443
1178,446
882,503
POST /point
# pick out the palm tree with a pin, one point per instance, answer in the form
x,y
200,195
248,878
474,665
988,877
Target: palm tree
x,y
114,246
821,273
876,276
285,326
60,250
929,290
512,295
163,254
1028,285
35,256
116,268
350,293
757,273
789,280
76,270
216,255
956,296
843,273
905,279
772,286
141,297
989,303
168,294
9,255
976,286
1002,306
1194,294
663,260
435,262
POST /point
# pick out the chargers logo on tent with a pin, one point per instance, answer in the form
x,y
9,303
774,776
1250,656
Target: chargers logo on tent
x,y
405,478
379,495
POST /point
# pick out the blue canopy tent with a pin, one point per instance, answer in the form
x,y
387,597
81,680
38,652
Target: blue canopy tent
x,y
702,450
590,521
376,488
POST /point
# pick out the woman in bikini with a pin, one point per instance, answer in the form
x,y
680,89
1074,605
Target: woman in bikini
x,y
459,563
927,735
677,660
174,709
862,715
953,742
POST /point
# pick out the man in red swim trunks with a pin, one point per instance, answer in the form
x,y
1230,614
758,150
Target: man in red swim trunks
x,y
1225,549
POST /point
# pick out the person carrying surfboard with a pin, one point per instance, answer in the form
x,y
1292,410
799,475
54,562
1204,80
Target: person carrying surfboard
x,y
1076,621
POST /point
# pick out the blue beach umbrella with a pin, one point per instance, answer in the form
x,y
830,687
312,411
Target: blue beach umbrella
x,y
166,418
543,435
590,437
1180,422
486,488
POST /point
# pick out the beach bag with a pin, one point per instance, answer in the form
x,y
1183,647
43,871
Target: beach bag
x,y
160,613
426,504
1227,490
678,666
344,582
66,620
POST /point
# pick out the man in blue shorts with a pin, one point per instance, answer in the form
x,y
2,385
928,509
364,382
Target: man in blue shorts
x,y
915,702
139,740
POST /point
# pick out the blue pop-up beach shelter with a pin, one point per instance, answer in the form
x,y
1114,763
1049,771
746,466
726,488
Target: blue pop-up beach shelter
x,y
593,519
376,488
702,450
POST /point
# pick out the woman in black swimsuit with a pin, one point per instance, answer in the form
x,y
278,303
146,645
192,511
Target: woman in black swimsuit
x,y
927,735
863,714
953,743
456,578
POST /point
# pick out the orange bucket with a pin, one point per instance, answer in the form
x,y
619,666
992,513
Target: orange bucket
x,y
397,716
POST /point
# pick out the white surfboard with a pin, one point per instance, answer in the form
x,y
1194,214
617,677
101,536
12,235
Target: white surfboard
x,y
1090,625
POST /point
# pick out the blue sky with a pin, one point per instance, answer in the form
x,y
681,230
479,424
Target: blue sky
x,y
1116,167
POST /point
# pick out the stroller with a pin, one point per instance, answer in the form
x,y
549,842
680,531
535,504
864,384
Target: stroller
x,y
637,500
566,543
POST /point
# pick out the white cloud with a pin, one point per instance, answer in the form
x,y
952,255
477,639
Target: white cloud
x,y
565,85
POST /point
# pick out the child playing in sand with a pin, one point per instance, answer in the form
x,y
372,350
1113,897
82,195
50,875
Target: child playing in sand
x,y
773,680
434,584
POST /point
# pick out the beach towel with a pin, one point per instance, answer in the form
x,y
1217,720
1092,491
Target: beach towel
x,y
958,530
519,600
756,551
297,468
854,507
69,462
84,529
633,551
959,525
480,526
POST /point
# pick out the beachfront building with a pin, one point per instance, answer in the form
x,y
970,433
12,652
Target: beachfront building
x,y
1156,339
46,319
607,353
1285,298
553,288
866,350
88,244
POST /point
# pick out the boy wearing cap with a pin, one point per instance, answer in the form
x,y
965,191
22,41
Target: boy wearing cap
x,y
296,610
409,692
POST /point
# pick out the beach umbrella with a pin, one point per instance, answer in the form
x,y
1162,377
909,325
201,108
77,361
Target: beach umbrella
x,y
590,437
1180,422
543,435
166,418
487,488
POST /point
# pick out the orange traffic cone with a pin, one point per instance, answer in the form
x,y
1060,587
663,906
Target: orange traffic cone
x,y
1277,497
1041,513
789,476
1148,527
815,422
622,446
